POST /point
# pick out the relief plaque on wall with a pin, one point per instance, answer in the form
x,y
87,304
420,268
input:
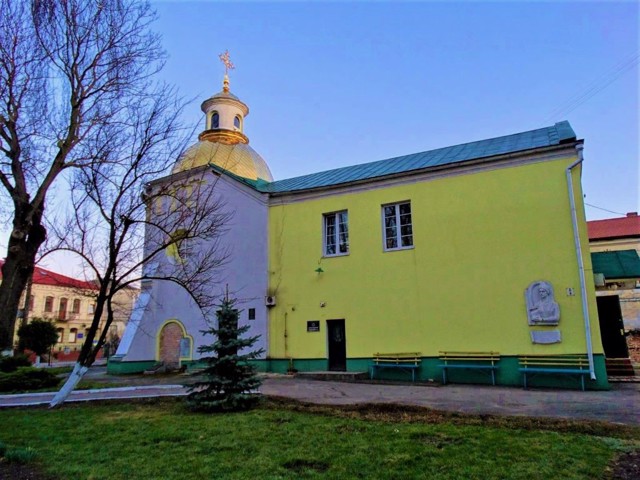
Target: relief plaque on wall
x,y
542,308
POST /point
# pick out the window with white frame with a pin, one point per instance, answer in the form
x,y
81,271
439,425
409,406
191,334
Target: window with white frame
x,y
397,227
336,234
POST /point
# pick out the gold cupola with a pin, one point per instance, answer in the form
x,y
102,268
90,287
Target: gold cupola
x,y
223,141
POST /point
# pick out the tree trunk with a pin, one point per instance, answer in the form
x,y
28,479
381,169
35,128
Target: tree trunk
x,y
24,242
88,352
69,385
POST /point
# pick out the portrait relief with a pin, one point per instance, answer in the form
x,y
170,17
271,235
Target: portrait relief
x,y
542,308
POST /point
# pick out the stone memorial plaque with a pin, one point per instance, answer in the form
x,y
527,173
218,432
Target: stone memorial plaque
x,y
546,337
542,309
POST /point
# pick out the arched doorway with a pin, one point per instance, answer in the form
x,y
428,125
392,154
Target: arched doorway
x,y
173,345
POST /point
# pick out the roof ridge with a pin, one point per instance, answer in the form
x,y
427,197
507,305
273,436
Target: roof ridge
x,y
56,279
560,132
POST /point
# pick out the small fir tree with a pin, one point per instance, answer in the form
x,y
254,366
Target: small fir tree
x,y
229,377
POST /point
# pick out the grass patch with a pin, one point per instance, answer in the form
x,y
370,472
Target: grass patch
x,y
20,455
60,370
282,440
94,385
391,412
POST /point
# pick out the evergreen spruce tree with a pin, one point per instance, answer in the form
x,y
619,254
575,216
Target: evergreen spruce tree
x,y
229,377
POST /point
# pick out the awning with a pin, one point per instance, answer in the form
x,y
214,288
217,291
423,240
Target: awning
x,y
620,264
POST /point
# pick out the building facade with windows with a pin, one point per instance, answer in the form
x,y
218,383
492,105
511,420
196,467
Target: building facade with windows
x,y
70,303
423,253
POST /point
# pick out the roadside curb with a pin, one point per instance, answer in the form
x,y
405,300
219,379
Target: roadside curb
x,y
118,393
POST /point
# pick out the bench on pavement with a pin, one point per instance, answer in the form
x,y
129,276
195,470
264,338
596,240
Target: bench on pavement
x,y
572,365
478,361
402,361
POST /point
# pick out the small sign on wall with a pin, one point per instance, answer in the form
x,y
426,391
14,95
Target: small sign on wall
x,y
313,326
80,335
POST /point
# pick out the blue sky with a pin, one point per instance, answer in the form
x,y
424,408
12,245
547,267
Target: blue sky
x,y
341,83
331,84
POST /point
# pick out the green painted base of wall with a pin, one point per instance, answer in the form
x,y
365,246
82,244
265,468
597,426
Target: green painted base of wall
x,y
115,366
507,374
192,365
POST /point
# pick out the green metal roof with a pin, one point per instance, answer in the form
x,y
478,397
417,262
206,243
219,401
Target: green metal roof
x,y
520,142
618,264
544,137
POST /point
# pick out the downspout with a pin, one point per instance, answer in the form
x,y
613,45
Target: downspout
x,y
578,247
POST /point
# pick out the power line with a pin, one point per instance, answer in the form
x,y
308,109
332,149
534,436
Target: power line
x,y
603,78
596,86
604,209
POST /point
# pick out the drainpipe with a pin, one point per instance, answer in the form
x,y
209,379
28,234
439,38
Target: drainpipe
x,y
578,247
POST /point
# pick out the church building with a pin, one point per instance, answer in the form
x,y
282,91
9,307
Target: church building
x,y
478,247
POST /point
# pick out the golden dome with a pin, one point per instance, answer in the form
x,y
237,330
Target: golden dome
x,y
238,158
223,143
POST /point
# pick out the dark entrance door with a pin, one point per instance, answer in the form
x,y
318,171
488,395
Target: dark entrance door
x,y
337,345
614,341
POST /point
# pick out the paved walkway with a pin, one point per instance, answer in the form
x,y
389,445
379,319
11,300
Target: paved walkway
x,y
144,391
619,405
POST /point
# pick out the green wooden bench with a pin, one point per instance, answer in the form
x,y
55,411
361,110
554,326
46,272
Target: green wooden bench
x,y
403,361
478,361
572,365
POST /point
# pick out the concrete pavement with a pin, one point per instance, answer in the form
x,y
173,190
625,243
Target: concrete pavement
x,y
620,405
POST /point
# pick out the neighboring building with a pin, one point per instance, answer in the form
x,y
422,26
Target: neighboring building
x,y
615,247
611,234
70,303
427,252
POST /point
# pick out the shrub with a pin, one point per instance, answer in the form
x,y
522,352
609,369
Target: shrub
x,y
27,378
20,455
39,335
11,364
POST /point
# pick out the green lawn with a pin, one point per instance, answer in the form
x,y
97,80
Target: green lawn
x,y
161,440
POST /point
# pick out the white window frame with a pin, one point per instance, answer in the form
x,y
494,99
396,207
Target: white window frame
x,y
398,235
335,215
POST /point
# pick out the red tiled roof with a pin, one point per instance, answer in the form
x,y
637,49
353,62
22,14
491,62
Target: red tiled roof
x,y
623,227
42,276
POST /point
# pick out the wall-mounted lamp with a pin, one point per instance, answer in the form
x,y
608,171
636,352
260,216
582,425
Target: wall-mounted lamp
x,y
319,270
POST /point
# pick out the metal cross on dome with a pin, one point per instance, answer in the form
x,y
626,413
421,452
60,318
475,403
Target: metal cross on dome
x,y
224,58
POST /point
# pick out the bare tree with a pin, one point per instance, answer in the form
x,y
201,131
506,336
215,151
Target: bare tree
x,y
124,224
68,71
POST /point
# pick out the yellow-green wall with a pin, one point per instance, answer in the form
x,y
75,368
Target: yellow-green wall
x,y
479,240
